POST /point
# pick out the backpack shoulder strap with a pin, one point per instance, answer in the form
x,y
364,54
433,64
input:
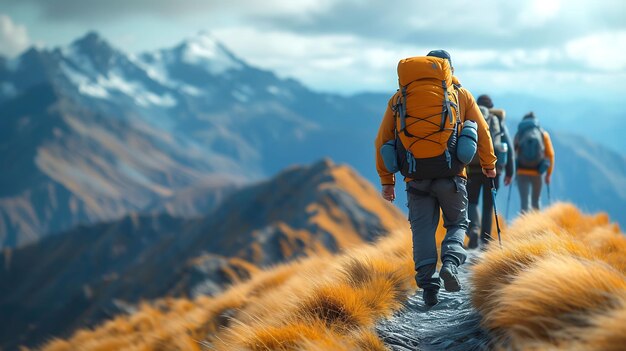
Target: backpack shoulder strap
x,y
500,126
456,91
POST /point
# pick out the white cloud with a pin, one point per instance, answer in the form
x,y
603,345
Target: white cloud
x,y
604,51
13,37
344,63
539,12
323,62
550,84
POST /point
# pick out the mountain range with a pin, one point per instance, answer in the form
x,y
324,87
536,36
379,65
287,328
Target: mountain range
x,y
82,276
89,134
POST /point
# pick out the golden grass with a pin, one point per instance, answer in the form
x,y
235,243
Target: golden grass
x,y
318,303
557,283
329,307
169,324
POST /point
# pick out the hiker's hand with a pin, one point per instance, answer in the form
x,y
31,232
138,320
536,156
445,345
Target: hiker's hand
x,y
489,173
507,180
547,179
389,192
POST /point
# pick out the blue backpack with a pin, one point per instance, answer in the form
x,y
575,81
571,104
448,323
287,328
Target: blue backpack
x,y
531,149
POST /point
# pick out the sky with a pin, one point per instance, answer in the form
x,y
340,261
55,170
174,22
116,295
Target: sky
x,y
565,49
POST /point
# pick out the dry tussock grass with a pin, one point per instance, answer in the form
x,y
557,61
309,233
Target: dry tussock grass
x,y
557,283
318,303
331,306
169,324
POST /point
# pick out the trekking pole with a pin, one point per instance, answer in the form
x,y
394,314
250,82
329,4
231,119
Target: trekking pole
x,y
495,209
549,197
508,201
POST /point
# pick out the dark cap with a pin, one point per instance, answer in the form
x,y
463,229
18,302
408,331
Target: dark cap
x,y
484,100
530,114
441,54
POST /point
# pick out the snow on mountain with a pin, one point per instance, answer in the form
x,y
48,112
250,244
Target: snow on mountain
x,y
206,51
202,52
100,71
103,86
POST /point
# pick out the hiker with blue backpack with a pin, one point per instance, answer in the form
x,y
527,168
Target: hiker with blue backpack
x,y
431,129
477,183
535,159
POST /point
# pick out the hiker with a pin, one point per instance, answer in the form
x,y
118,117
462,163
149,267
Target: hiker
x,y
535,157
421,137
476,180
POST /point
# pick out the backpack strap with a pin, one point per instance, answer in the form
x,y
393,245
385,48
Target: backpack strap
x,y
501,127
492,120
402,111
446,106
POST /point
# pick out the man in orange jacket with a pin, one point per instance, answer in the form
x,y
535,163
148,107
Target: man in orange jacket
x,y
535,157
427,197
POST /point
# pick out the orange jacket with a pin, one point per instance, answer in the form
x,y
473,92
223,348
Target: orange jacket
x,y
468,110
549,155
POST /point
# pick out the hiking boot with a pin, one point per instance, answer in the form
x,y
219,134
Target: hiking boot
x,y
473,240
430,297
448,274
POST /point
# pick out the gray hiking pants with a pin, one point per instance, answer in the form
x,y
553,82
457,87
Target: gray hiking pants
x,y
425,199
529,186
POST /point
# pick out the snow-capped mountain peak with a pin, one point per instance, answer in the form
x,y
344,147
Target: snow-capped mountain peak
x,y
204,49
100,71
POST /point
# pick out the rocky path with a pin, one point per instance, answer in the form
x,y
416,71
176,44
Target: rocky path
x,y
452,324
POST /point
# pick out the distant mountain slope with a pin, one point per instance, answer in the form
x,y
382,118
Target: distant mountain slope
x,y
591,176
64,165
83,276
198,199
594,120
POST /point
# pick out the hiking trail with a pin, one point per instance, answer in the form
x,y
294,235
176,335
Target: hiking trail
x,y
452,324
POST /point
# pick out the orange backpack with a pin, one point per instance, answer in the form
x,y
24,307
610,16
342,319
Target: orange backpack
x,y
427,119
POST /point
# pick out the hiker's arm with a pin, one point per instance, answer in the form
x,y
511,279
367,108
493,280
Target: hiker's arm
x,y
549,155
386,132
485,146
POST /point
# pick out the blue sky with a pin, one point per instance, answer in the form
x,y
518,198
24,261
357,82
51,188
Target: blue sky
x,y
566,49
